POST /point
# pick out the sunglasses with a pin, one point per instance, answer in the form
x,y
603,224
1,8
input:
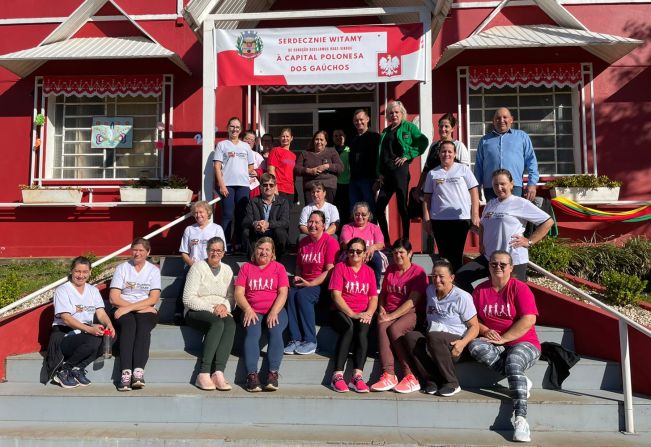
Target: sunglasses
x,y
501,265
268,185
360,215
354,251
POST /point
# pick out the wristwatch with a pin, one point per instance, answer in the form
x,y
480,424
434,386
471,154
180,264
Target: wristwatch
x,y
530,242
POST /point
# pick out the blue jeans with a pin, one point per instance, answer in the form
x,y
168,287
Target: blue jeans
x,y
300,307
376,265
234,206
275,344
361,190
490,194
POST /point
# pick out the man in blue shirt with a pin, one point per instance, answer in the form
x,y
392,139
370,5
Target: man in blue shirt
x,y
506,148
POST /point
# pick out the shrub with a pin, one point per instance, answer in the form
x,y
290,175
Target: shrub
x,y
622,289
583,181
551,254
11,288
590,260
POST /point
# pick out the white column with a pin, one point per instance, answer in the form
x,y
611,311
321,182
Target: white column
x,y
425,88
208,117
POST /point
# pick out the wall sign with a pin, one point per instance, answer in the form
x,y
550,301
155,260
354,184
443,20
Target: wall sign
x,y
111,132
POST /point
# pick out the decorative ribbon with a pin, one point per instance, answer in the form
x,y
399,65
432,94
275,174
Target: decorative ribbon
x,y
572,208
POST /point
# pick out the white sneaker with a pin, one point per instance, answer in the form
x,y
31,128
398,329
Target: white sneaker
x,y
521,433
529,385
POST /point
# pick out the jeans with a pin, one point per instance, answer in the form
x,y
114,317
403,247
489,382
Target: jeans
x,y
376,265
234,207
135,338
361,190
275,344
301,314
218,338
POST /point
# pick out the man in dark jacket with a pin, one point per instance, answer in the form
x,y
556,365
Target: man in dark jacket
x,y
267,215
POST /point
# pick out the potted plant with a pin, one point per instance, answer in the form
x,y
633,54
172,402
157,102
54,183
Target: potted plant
x,y
50,194
585,188
172,189
39,121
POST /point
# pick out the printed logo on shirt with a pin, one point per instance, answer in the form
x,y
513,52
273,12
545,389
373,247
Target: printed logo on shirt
x,y
136,285
311,258
397,290
498,310
494,215
81,308
357,287
260,284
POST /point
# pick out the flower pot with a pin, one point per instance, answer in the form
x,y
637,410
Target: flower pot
x,y
601,194
51,195
157,195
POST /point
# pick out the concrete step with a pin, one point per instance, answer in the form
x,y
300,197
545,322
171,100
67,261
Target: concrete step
x,y
179,367
595,410
113,434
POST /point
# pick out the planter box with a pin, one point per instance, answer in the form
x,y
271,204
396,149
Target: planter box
x,y
155,195
602,194
51,195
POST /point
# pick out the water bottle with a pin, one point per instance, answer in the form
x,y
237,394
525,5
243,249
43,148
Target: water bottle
x,y
107,344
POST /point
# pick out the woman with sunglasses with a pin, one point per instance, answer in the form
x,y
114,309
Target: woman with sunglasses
x,y
507,341
403,289
354,294
502,227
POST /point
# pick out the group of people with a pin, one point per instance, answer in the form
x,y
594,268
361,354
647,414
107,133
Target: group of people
x,y
427,328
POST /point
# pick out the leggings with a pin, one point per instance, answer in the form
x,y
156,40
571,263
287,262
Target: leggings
x,y
218,340
390,340
352,333
509,361
394,182
478,269
79,350
450,237
275,344
135,338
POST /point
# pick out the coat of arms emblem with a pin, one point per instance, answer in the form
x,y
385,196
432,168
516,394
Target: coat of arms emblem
x,y
249,45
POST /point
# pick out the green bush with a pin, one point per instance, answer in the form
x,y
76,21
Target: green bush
x,y
590,260
622,289
551,254
583,181
11,288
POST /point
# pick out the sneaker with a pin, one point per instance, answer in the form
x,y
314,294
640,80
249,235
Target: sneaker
x,y
408,384
80,375
387,382
447,390
290,349
138,379
307,347
253,383
65,378
272,381
430,388
357,384
125,381
529,385
338,383
521,430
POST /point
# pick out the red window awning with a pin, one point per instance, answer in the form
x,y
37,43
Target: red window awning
x,y
104,86
548,75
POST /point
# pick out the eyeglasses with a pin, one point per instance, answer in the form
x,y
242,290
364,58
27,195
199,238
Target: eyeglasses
x,y
234,127
216,250
268,185
360,215
501,265
352,251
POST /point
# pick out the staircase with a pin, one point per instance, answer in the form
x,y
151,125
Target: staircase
x,y
170,411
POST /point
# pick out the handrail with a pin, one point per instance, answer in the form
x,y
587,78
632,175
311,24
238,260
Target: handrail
x,y
108,257
623,323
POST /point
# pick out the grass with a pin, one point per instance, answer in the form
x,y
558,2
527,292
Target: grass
x,y
19,278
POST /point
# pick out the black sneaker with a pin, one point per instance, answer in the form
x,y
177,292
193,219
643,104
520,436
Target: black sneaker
x,y
272,381
253,383
449,390
430,388
80,375
65,378
125,381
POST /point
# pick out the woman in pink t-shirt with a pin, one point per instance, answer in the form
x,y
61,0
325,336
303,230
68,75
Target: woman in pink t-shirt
x,y
281,162
507,340
314,260
354,294
402,289
261,291
362,227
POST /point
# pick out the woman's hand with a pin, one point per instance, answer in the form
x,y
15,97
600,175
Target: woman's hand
x,y
475,221
399,161
493,336
457,348
299,281
148,310
223,190
369,254
365,317
220,310
250,317
518,240
119,312
96,329
272,319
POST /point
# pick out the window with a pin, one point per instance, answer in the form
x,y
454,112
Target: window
x,y
547,114
69,152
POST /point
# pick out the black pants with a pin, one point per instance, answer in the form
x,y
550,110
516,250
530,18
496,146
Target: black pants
x,y
80,349
135,337
450,237
279,236
394,182
478,269
352,333
430,354
342,202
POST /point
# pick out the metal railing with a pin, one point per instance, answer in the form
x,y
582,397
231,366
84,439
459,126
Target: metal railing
x,y
624,322
106,258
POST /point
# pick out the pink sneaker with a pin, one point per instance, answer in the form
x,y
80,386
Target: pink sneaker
x,y
357,384
408,384
338,383
387,382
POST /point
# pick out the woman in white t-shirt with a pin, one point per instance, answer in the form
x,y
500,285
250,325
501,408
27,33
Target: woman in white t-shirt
x,y
451,204
135,290
194,245
233,162
77,305
502,227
